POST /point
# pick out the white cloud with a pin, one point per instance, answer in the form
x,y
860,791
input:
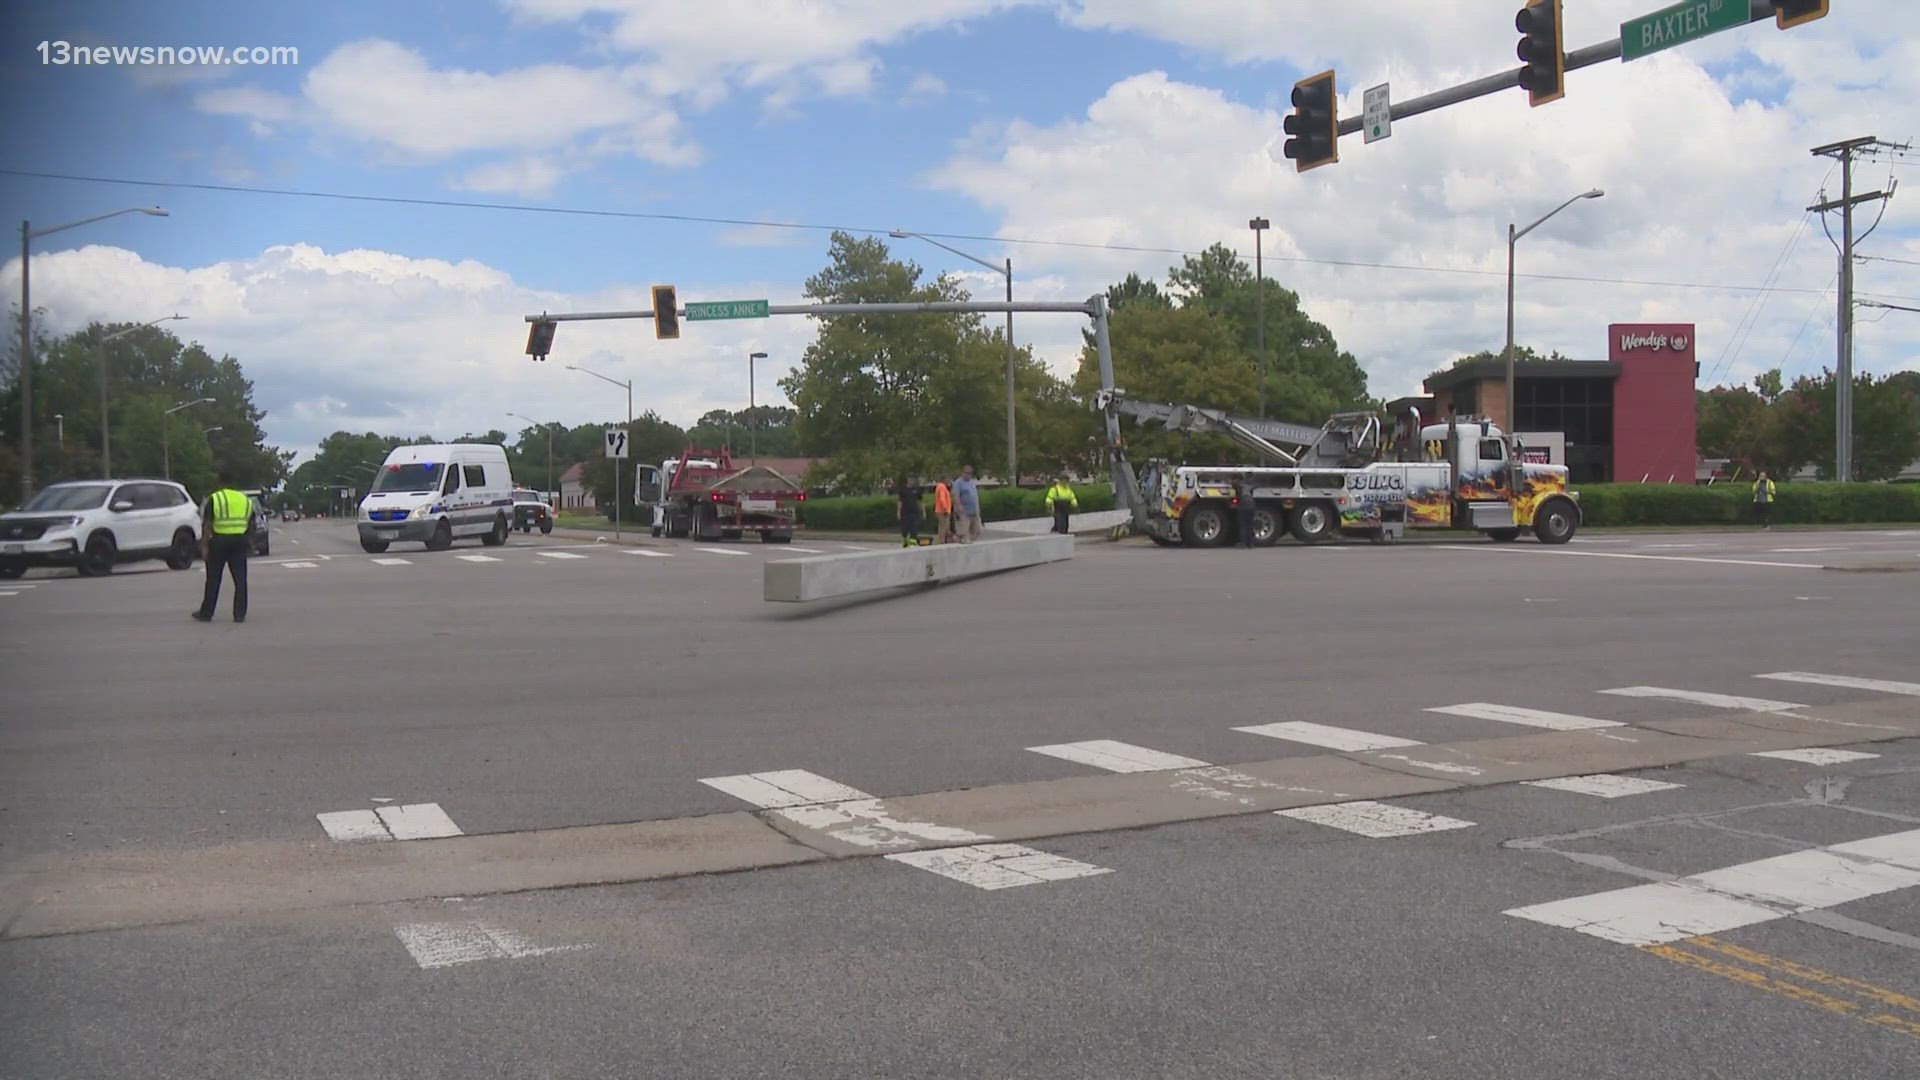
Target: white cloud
x,y
263,107
525,176
781,47
372,341
924,88
1698,189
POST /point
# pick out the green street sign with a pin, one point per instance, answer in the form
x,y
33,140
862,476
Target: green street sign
x,y
1678,25
726,309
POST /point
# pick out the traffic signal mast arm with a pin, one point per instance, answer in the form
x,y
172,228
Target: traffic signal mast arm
x,y
1785,13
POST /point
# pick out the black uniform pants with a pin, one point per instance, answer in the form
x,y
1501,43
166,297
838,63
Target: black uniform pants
x,y
226,554
1060,512
1243,524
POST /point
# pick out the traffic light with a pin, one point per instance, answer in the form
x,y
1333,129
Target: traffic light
x,y
1545,76
1315,123
666,313
1791,13
540,338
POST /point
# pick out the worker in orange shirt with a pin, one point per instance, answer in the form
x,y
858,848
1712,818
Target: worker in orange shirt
x,y
942,513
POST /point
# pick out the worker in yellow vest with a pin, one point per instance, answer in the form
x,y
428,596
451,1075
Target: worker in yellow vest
x,y
227,522
1763,499
1060,500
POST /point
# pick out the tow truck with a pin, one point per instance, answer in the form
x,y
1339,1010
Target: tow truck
x,y
1350,476
706,495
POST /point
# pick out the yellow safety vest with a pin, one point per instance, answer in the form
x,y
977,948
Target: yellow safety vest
x,y
1062,493
231,511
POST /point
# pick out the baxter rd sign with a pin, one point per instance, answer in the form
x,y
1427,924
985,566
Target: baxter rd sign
x,y
1678,25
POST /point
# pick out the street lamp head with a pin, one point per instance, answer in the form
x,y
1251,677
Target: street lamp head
x,y
757,356
1258,223
153,211
900,234
1594,194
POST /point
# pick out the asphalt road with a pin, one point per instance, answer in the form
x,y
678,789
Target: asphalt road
x,y
536,692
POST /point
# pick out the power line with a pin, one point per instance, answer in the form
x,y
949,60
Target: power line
x,y
699,219
1886,258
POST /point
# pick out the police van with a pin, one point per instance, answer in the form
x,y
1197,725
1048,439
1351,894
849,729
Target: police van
x,y
436,494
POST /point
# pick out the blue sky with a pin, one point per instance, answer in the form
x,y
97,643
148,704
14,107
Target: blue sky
x,y
1132,123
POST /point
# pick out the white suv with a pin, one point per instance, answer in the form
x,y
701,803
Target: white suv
x,y
92,525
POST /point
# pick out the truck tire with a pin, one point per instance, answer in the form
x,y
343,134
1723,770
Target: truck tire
x,y
731,534
775,536
1556,521
1204,525
373,547
1312,522
1266,526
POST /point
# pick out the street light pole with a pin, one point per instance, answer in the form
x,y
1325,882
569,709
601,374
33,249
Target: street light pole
x,y
28,234
1513,239
753,420
166,421
1259,225
106,440
1013,467
628,386
549,429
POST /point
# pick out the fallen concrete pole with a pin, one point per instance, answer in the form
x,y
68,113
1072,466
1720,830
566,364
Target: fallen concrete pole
x,y
823,577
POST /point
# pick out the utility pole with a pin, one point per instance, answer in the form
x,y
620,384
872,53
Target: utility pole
x,y
1846,152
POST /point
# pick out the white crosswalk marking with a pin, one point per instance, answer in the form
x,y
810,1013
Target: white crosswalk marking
x,y
558,555
852,816
810,551
443,944
300,565
1818,755
1333,738
1602,785
648,554
784,787
1702,697
1117,756
998,866
1741,895
393,562
1376,820
1848,682
353,825
418,821
1510,714
9,594
476,558
721,550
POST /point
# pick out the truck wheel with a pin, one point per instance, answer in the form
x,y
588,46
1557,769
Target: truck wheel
x,y
1312,522
731,534
11,569
1556,522
373,547
1266,527
1204,526
1504,535
442,537
1159,541
547,527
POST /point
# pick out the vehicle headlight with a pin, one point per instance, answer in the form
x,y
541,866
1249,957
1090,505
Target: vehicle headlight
x,y
65,523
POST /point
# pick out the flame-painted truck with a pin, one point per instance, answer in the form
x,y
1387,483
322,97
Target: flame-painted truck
x,y
706,495
1347,477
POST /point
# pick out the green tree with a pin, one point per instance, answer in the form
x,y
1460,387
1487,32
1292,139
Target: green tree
x,y
149,370
1747,426
1185,354
1308,375
650,440
1886,424
1136,290
1521,354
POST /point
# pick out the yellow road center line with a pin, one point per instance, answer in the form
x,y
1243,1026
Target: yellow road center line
x,y
1759,980
1801,971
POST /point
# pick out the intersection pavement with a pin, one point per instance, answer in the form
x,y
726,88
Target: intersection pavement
x,y
959,798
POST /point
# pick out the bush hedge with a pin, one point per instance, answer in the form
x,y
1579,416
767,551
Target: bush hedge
x,y
996,504
1729,504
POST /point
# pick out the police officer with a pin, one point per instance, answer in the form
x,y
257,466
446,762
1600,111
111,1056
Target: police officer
x,y
1060,502
1243,509
227,522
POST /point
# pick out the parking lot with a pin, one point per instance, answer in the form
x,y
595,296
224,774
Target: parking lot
x,y
1354,810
